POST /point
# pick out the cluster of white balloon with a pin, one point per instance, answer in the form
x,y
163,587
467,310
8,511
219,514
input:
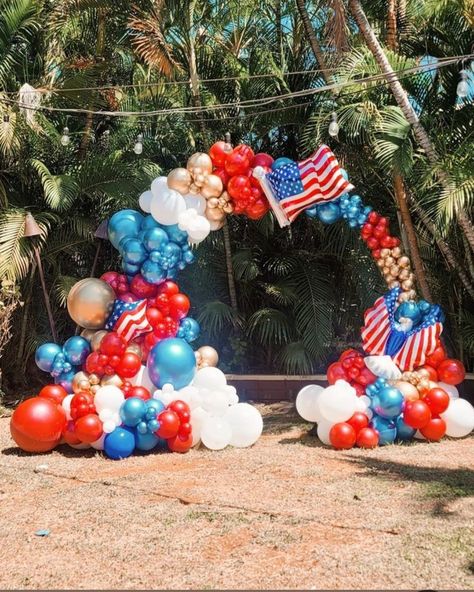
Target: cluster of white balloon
x,y
169,207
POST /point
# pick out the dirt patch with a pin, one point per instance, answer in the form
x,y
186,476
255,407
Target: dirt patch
x,y
287,513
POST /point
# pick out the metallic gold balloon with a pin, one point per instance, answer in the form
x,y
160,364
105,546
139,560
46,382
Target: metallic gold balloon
x,y
200,160
403,297
180,180
94,379
228,208
134,348
199,178
389,261
408,390
208,355
404,274
385,253
212,187
214,214
423,386
194,189
396,252
90,302
80,382
114,380
412,294
381,263
423,373
96,340
407,285
394,270
216,224
213,202
87,334
393,284
404,261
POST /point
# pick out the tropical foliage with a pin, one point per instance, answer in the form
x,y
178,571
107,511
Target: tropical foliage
x,y
300,292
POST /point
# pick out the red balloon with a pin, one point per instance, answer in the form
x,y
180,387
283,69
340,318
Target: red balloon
x,y
179,443
433,375
257,210
169,424
451,371
261,159
342,436
437,400
82,404
88,428
93,364
168,288
154,316
179,306
141,288
358,421
53,392
336,372
112,345
436,357
416,414
129,365
37,424
223,176
434,430
128,297
181,409
138,391
237,184
365,377
69,435
349,353
367,438
219,152
238,161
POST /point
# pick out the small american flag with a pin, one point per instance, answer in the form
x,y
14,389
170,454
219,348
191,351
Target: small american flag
x,y
407,349
300,185
129,319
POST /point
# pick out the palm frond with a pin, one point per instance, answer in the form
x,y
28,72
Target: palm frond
x,y
60,191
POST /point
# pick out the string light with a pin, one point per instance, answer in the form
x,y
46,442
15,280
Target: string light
x,y
138,148
65,139
462,89
333,129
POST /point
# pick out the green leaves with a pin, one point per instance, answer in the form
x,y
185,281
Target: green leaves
x,y
60,191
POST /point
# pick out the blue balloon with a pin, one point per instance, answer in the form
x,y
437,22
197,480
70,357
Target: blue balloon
x,y
76,350
404,431
132,411
152,272
133,250
124,223
155,406
146,441
189,329
329,213
45,355
279,162
119,444
388,402
409,310
155,239
385,428
171,361
65,380
312,212
176,235
130,269
149,222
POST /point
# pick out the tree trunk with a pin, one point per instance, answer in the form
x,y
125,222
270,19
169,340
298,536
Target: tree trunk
x,y
229,267
415,256
313,41
392,25
279,33
404,104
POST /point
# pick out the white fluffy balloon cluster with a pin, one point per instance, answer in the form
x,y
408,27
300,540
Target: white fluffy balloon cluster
x,y
327,406
169,207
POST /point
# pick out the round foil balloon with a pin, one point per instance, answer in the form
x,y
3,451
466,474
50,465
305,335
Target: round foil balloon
x,y
172,361
90,302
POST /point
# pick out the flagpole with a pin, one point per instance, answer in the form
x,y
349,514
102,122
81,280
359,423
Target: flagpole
x,y
259,173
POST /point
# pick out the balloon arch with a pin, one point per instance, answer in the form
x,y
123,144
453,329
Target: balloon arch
x,y
131,380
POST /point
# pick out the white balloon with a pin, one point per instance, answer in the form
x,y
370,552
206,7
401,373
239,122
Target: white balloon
x,y
66,405
197,202
99,444
166,395
105,415
338,402
191,396
108,426
159,186
211,378
167,207
215,402
108,397
143,379
450,389
324,427
459,418
246,424
307,402
198,416
215,433
383,366
144,201
197,226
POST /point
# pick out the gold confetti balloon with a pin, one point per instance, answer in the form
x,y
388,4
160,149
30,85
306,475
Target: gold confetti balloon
x,y
90,302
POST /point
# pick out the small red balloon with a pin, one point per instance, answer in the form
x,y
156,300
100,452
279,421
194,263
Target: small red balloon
x,y
169,424
112,345
437,400
37,424
435,358
416,414
179,306
129,365
140,392
433,375
180,444
365,377
180,408
261,159
451,371
342,436
141,288
336,372
88,428
53,392
154,316
367,438
434,430
169,288
219,152
82,404
358,421
69,435
348,353
237,184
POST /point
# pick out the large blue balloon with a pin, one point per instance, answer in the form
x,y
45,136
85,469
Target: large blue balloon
x,y
132,411
149,222
329,213
388,402
404,431
45,355
133,250
176,235
124,223
155,239
119,444
385,428
76,350
171,361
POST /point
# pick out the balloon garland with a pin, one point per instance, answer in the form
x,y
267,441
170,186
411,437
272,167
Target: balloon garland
x,y
132,382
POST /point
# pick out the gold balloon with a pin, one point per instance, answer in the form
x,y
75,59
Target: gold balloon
x,y
385,253
407,285
394,270
200,160
80,382
412,294
423,386
96,340
209,355
134,348
180,180
396,252
213,202
228,208
94,379
404,274
194,189
90,302
114,380
389,261
87,334
199,179
393,284
212,187
216,224
214,214
423,372
404,261
381,263
408,390
404,296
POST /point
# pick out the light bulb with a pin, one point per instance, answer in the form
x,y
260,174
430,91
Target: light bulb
x,y
463,86
333,126
65,139
138,148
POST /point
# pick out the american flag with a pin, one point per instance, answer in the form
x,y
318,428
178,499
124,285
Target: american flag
x,y
380,337
129,319
300,185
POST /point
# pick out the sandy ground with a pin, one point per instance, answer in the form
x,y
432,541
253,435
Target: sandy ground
x,y
287,513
